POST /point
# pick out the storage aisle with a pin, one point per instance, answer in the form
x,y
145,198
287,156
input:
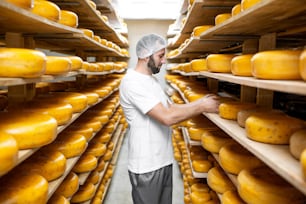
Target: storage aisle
x,y
119,191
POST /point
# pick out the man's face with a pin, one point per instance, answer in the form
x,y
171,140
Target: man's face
x,y
156,61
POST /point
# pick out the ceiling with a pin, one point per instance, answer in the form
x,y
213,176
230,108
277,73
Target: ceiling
x,y
148,9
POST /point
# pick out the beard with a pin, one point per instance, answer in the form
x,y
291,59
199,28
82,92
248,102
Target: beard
x,y
151,64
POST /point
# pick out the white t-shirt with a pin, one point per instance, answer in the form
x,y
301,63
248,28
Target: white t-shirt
x,y
149,141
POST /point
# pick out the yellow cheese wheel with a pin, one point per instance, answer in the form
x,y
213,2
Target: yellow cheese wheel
x,y
198,65
85,192
57,65
23,187
93,177
29,129
108,155
92,97
234,158
96,149
46,9
20,62
49,164
219,62
26,4
76,63
199,197
8,154
195,133
200,29
276,64
69,144
241,65
199,187
302,65
220,18
69,186
297,143
229,110
236,9
245,4
218,180
69,18
272,128
102,137
101,165
87,132
212,141
231,197
94,124
86,163
58,199
264,186
202,166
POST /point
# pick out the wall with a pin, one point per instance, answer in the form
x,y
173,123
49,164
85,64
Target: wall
x,y
138,28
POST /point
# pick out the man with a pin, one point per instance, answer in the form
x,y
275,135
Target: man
x,y
149,114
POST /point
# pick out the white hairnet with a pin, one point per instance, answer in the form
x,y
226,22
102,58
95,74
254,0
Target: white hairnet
x,y
149,44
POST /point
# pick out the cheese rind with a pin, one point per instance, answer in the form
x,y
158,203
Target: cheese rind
x,y
9,153
46,9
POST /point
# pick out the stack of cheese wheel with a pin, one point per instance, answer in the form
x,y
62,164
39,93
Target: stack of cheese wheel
x,y
26,4
245,4
46,9
58,65
69,18
23,187
218,180
212,141
200,29
264,186
219,62
76,63
9,153
20,62
231,197
272,128
220,18
49,164
229,110
30,129
297,143
69,186
302,65
234,158
84,193
276,64
241,65
198,65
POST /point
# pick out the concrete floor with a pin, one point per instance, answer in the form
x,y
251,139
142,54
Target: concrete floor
x,y
119,191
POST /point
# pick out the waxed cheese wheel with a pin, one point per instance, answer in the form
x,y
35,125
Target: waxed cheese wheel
x,y
23,187
229,110
46,9
272,128
198,65
200,29
69,186
201,165
58,199
86,163
297,143
26,4
220,18
264,186
93,177
96,149
87,132
236,9
92,97
212,141
85,192
76,63
276,64
245,4
231,197
234,158
302,65
58,65
218,180
198,197
241,65
219,62
69,18
29,129
21,62
199,187
8,153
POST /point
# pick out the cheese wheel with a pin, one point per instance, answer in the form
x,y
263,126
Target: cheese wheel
x,y
219,62
58,199
49,164
103,137
69,144
96,149
218,180
264,186
76,63
241,65
85,192
200,29
94,124
93,177
276,64
212,141
229,110
20,62
69,18
46,9
245,4
236,9
92,97
234,158
231,197
101,165
196,133
57,65
22,187
108,155
9,153
199,197
220,18
29,129
69,186
302,65
26,4
272,128
87,132
202,166
198,65
199,187
86,163
297,143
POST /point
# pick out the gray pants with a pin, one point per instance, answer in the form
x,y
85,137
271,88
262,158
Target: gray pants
x,y
153,187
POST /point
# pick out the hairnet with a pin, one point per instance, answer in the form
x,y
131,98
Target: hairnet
x,y
149,44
